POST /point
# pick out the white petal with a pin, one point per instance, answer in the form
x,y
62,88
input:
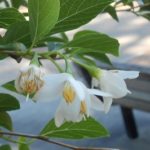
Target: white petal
x,y
128,74
99,93
59,118
95,83
79,89
97,104
9,69
17,85
53,85
107,104
70,112
113,84
88,104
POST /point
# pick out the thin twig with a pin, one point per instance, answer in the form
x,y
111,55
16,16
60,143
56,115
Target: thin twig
x,y
132,8
46,139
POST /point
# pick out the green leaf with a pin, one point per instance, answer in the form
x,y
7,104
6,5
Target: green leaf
x,y
22,34
43,15
85,60
3,56
5,147
23,146
9,16
1,40
53,39
100,57
111,10
128,2
10,86
16,3
95,41
5,120
74,13
89,128
8,102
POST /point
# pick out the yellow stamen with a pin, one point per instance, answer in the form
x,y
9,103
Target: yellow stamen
x,y
83,108
69,93
32,86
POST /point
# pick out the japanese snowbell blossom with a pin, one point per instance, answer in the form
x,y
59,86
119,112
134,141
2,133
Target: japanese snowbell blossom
x,y
112,81
75,98
29,80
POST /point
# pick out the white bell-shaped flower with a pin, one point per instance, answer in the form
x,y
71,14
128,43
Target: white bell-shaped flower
x,y
76,98
29,80
112,81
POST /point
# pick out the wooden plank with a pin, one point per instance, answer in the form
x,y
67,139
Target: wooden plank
x,y
136,100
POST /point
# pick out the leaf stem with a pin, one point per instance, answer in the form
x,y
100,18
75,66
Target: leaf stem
x,y
12,141
46,139
6,3
55,63
66,61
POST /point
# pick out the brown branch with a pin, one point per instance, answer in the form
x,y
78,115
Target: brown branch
x,y
46,139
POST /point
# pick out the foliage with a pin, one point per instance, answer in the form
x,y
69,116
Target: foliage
x,y
44,25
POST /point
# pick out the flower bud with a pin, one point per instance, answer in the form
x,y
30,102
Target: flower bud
x,y
94,72
30,80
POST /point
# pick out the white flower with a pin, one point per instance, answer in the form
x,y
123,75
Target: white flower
x,y
76,99
112,81
29,80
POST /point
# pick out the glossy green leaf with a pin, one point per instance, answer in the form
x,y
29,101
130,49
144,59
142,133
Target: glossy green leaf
x,y
95,41
22,34
5,147
5,120
74,13
10,86
111,10
9,16
85,60
89,128
53,39
8,102
100,57
95,54
43,15
16,3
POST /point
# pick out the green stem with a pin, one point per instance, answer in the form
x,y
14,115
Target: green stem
x,y
77,62
13,141
6,3
66,62
55,63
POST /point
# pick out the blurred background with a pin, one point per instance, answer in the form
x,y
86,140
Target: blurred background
x,y
133,33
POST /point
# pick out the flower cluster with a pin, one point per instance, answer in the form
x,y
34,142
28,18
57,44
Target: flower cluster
x,y
76,100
